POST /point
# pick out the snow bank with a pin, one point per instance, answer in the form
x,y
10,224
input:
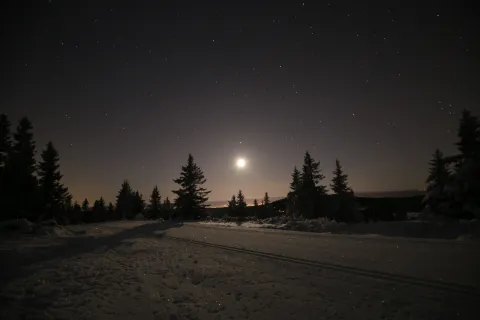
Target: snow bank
x,y
461,230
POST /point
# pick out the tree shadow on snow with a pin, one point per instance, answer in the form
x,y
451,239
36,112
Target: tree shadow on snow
x,y
16,264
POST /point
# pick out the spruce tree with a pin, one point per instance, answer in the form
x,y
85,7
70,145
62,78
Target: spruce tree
x,y
436,199
339,183
167,204
266,209
53,194
232,206
5,152
76,207
465,186
85,205
5,140
266,200
155,203
191,196
125,201
110,212
99,210
167,209
310,190
255,202
293,194
241,204
138,203
311,175
296,180
76,213
469,136
20,177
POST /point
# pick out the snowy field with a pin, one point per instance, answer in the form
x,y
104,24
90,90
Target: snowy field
x,y
145,270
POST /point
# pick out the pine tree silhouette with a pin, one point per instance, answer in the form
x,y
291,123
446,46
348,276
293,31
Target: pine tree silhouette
x,y
266,206
296,183
465,186
53,193
76,213
5,152
191,197
125,201
138,203
266,200
167,209
99,210
20,176
339,183
155,203
436,199
110,212
310,190
241,204
5,140
232,206
85,205
255,202
293,194
469,136
311,175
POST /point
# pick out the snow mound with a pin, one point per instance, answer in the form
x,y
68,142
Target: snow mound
x,y
18,226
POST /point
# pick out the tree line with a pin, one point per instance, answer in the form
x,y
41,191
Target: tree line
x,y
34,190
453,182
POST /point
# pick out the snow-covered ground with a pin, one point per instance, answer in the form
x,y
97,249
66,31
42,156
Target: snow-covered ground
x,y
135,270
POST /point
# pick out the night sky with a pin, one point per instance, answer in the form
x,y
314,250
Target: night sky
x,y
126,90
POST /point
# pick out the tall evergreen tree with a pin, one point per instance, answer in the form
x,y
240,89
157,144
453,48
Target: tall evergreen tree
x,y
339,183
465,186
266,200
436,199
255,202
469,136
241,204
167,209
311,175
5,152
20,177
76,213
296,180
191,196
5,140
155,201
232,206
85,205
293,194
125,201
76,207
139,203
311,189
266,209
167,204
53,193
110,212
99,210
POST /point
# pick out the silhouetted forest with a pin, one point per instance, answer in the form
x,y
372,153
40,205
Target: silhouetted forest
x,y
33,190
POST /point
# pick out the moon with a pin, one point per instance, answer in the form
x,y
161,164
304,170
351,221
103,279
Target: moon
x,y
241,163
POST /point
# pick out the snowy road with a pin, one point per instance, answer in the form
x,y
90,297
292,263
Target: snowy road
x,y
132,270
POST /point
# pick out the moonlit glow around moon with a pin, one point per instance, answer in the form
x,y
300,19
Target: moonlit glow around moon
x,y
241,163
